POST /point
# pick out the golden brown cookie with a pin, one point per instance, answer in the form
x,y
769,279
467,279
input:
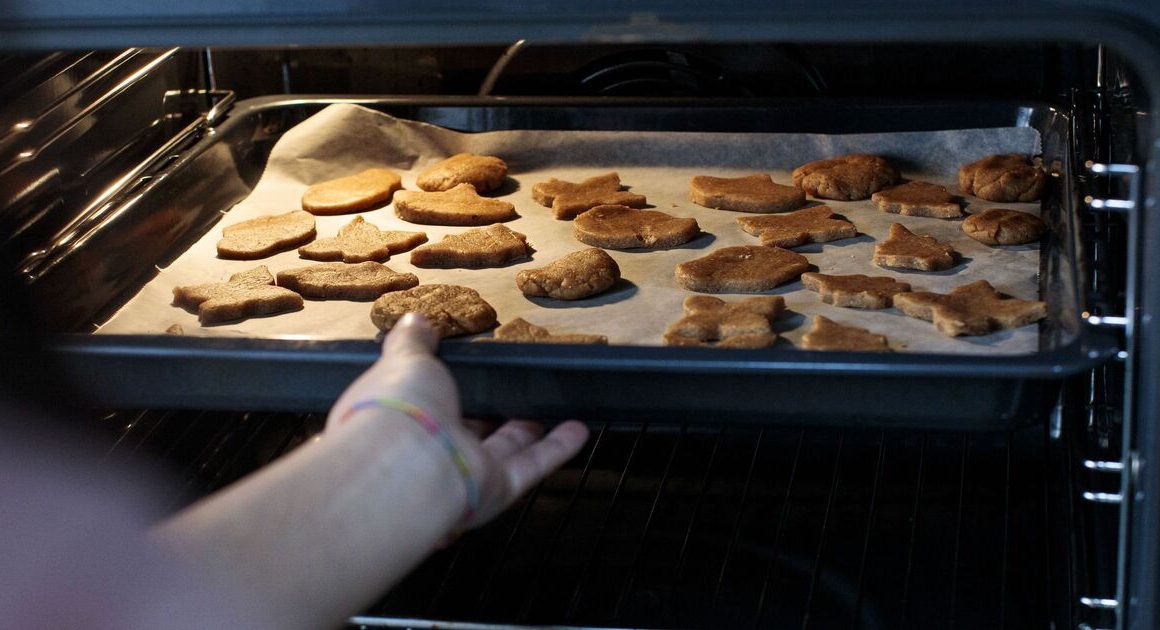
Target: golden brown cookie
x,y
359,241
266,235
908,250
1005,178
845,178
489,246
918,199
247,294
451,309
811,225
751,193
713,321
484,172
355,193
972,309
575,276
521,331
460,205
827,334
741,269
621,227
567,199
340,281
855,291
1000,226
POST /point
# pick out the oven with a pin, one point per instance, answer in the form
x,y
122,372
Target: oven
x,y
720,488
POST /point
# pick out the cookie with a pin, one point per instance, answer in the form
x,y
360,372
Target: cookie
x,y
908,250
355,193
521,331
359,241
247,294
751,193
1005,178
451,309
340,281
490,246
741,269
484,172
855,291
827,334
266,235
918,199
621,227
972,309
567,199
845,178
460,205
575,276
1000,226
713,321
811,225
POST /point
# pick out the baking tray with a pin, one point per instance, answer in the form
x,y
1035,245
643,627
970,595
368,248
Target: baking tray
x,y
182,203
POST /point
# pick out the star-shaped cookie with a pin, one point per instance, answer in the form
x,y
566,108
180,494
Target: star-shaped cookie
x,y
811,225
972,309
568,199
246,294
359,241
713,321
856,290
908,250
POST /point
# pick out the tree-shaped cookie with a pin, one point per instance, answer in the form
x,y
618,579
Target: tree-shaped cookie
x,y
972,309
568,199
811,225
711,321
908,250
246,294
827,334
359,241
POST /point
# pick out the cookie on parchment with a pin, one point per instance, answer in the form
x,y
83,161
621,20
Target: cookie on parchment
x,y
521,331
354,193
711,321
567,199
741,269
1005,177
572,277
907,250
1000,226
451,309
247,294
918,199
845,178
751,193
266,235
460,205
484,172
359,241
972,309
340,281
621,227
827,334
855,291
811,225
490,246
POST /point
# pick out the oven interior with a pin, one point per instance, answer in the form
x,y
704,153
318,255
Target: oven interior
x,y
720,523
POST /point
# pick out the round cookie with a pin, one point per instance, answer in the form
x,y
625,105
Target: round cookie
x,y
484,172
1000,226
845,178
1006,178
451,309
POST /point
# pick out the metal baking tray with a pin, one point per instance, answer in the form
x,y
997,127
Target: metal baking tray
x,y
171,207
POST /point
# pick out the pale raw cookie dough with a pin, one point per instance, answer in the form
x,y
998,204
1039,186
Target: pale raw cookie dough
x,y
908,250
829,335
791,229
1000,226
1004,178
247,294
490,246
359,241
575,276
856,290
355,193
918,199
340,281
484,172
451,309
567,199
461,205
621,227
751,193
266,235
845,178
521,331
741,269
972,309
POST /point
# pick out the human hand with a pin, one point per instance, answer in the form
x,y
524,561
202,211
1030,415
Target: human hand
x,y
506,463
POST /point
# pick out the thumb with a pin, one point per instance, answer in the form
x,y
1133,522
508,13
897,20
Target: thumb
x,y
411,335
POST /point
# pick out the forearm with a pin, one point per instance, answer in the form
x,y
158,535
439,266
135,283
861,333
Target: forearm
x,y
379,490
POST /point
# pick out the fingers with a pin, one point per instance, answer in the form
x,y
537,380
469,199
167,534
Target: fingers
x,y
511,438
412,334
527,467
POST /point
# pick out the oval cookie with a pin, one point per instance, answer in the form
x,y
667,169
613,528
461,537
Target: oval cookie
x,y
451,309
741,269
1000,226
484,172
621,227
355,193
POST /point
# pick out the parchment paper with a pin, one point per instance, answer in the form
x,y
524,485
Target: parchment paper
x,y
343,139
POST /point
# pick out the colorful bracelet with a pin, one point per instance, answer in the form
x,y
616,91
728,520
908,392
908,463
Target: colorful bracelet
x,y
435,429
